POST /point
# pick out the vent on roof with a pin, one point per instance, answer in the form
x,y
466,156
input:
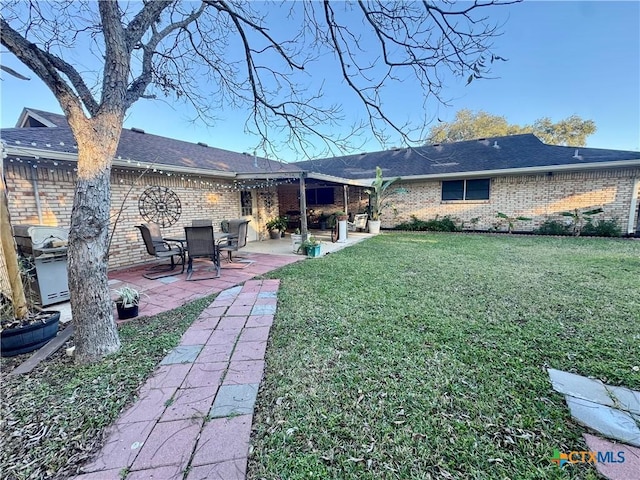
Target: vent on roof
x,y
137,130
495,145
576,155
202,144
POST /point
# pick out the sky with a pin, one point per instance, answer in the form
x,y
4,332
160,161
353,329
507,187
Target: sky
x,y
563,58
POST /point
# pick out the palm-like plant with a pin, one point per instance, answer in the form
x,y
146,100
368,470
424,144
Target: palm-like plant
x,y
379,194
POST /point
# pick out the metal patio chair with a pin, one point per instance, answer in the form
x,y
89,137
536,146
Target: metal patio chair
x,y
201,244
159,248
237,238
202,222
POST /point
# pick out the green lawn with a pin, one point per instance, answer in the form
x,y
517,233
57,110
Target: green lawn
x,y
424,356
52,419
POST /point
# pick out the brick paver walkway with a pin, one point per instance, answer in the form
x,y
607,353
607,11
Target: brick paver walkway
x,y
193,416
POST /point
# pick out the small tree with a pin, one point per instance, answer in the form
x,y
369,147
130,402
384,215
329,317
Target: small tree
x,y
379,195
511,221
579,218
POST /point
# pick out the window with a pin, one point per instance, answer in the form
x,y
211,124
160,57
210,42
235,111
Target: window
x,y
320,196
246,203
466,189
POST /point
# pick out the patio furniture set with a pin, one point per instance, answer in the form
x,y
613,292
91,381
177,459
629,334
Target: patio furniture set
x,y
199,241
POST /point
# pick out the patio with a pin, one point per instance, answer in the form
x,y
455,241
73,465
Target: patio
x,y
257,258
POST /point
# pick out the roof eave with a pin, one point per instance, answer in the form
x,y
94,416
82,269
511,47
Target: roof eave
x,y
527,170
73,157
342,180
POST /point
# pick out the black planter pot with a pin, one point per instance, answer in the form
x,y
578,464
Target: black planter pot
x,y
126,312
274,234
19,340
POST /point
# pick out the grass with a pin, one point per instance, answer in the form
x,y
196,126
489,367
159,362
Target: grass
x,y
52,419
417,356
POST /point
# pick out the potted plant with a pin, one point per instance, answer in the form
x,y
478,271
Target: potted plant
x,y
378,199
24,328
276,226
310,247
127,302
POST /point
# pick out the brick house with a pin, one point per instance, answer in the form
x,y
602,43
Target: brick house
x,y
517,175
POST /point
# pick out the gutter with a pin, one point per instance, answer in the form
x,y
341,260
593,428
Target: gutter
x,y
633,206
525,170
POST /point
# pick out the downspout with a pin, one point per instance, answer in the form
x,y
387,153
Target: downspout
x,y
36,193
633,207
303,207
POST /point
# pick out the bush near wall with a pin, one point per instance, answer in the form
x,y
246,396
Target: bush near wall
x,y
444,224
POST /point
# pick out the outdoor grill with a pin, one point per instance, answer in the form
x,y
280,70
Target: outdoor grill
x,y
45,248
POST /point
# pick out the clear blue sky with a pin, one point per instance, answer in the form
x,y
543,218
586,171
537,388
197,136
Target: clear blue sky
x,y
564,58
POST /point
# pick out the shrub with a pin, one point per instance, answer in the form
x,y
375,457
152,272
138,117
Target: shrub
x,y
445,224
602,228
553,227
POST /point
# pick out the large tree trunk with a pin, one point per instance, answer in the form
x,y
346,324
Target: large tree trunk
x,y
92,309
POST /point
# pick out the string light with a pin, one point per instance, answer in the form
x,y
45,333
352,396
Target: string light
x,y
190,179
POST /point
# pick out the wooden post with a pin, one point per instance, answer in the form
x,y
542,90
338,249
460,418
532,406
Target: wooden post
x,y
18,299
345,198
303,208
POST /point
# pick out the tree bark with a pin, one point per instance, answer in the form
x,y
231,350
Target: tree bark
x,y
91,306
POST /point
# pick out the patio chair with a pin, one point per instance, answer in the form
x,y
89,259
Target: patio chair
x,y
237,238
204,222
359,222
201,244
162,250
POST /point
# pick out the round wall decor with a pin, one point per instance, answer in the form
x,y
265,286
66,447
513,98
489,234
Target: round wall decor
x,y
160,205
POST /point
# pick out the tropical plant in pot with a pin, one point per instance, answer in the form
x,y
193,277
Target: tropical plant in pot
x,y
127,302
276,226
310,247
378,199
25,328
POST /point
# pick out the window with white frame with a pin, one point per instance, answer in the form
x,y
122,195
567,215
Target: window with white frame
x,y
466,189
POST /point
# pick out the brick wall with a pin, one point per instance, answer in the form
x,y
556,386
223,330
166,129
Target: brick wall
x,y
534,196
200,198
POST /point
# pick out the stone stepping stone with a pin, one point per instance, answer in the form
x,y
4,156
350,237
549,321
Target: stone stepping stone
x,y
609,421
182,354
580,387
233,400
625,399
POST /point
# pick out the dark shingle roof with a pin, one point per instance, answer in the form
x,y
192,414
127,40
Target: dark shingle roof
x,y
56,119
490,154
144,147
496,153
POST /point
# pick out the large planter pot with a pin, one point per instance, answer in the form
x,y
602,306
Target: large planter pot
x,y
125,313
374,226
313,251
274,234
19,340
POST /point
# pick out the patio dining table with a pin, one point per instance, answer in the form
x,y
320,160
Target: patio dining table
x,y
218,237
